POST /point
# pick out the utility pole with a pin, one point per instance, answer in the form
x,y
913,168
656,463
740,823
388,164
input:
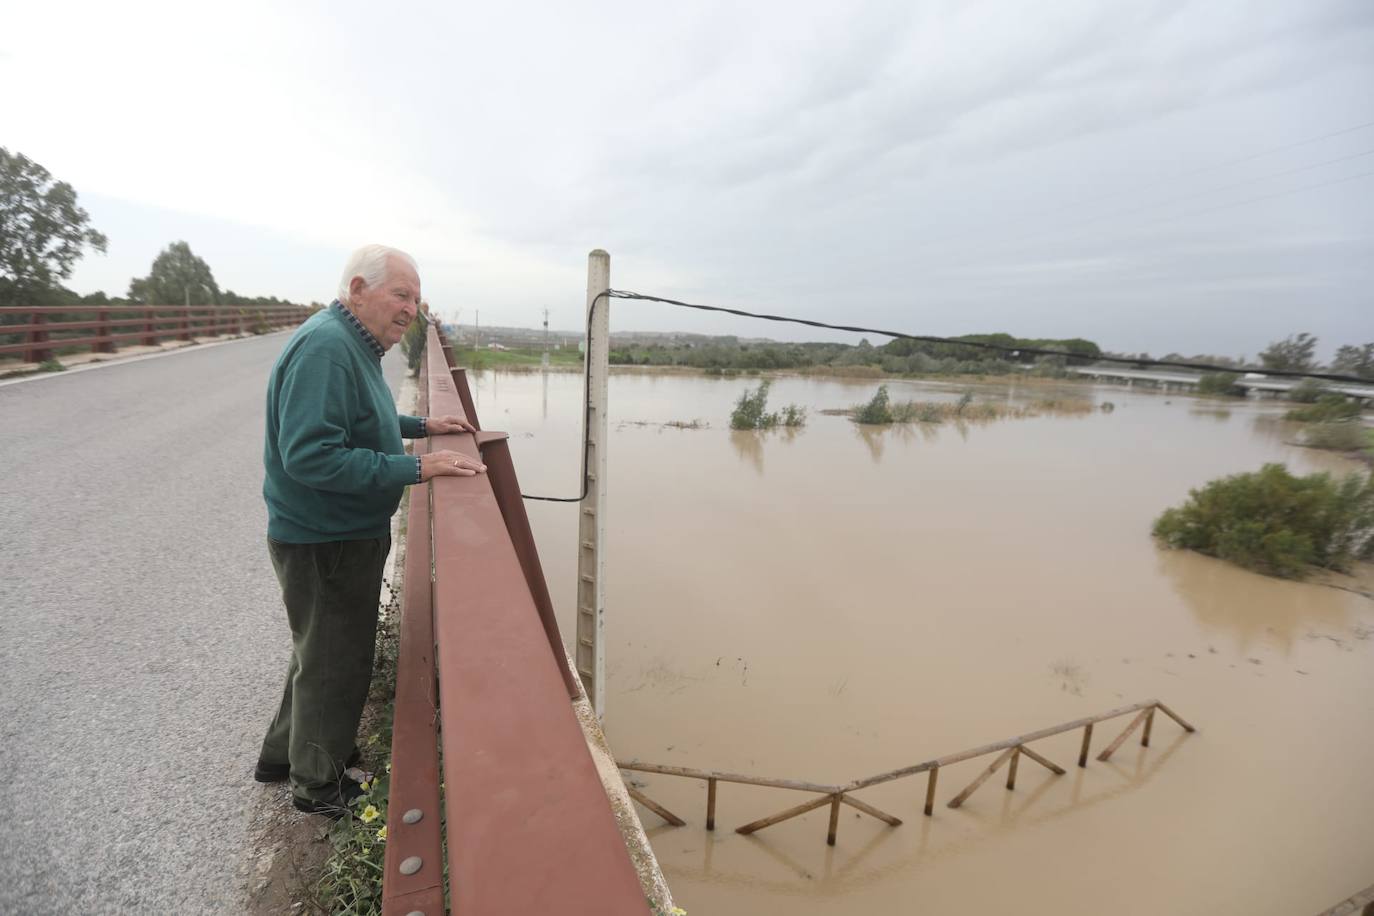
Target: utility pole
x,y
476,329
591,533
544,363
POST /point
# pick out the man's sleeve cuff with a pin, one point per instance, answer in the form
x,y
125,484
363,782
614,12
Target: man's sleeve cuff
x,y
419,469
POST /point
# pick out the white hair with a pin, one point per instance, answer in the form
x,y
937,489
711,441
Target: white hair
x,y
370,263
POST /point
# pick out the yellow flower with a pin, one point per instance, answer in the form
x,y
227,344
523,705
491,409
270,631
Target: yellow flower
x,y
370,814
678,911
364,785
381,834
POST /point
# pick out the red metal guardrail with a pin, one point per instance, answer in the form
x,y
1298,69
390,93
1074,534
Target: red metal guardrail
x,y
528,823
37,332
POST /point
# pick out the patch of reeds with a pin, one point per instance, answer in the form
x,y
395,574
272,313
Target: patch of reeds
x,y
881,410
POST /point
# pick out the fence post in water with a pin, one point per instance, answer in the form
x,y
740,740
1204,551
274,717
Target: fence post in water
x,y
930,789
591,651
1087,740
711,804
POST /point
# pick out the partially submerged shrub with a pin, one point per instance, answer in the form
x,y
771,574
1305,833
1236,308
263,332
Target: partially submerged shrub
x,y
876,410
751,411
1220,384
1327,408
1276,523
1306,392
1341,436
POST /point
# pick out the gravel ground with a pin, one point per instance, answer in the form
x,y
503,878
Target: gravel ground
x,y
142,641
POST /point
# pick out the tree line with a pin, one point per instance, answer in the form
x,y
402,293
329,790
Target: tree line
x,y
44,232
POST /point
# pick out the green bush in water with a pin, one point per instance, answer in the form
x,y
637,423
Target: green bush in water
x,y
875,411
1276,523
1220,384
1327,407
1340,436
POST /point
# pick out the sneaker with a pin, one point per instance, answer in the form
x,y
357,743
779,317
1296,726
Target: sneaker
x,y
277,772
349,789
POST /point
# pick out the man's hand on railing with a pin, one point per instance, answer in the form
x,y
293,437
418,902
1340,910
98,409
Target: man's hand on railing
x,y
449,464
449,423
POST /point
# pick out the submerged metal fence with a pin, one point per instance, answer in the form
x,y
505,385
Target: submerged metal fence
x,y
1012,749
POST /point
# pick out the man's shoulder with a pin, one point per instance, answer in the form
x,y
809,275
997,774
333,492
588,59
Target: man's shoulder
x,y
322,336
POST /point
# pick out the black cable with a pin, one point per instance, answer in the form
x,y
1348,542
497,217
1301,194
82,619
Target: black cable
x,y
586,411
1033,351
899,335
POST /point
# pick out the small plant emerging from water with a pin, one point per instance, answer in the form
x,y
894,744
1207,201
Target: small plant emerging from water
x,y
1275,523
876,411
751,411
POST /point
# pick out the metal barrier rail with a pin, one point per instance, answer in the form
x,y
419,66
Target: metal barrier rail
x,y
835,795
528,824
154,323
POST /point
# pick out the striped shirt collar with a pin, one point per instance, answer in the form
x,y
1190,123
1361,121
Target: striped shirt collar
x,y
372,343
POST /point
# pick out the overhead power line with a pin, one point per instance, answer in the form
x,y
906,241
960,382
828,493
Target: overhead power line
x,y
608,294
1002,348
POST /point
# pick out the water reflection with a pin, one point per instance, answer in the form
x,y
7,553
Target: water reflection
x,y
1254,609
749,446
893,844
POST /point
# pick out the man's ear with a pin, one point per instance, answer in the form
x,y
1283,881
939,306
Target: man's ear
x,y
355,289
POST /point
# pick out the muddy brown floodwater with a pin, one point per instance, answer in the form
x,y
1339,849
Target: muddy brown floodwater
x,y
836,602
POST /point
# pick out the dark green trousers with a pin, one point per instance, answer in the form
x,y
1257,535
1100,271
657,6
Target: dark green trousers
x,y
331,593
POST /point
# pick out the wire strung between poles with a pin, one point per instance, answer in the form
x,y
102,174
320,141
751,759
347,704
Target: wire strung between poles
x,y
899,335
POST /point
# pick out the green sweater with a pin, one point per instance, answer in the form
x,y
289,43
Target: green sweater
x,y
336,468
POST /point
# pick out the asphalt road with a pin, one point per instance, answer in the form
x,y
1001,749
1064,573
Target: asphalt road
x,y
142,640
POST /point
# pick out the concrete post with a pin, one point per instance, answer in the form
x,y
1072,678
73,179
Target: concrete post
x,y
591,563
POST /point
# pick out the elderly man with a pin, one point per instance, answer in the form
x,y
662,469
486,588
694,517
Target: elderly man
x,y
336,470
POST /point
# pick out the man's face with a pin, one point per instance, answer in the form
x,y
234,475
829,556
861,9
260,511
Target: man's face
x,y
388,308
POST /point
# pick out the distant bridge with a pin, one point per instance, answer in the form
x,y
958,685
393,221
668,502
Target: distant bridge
x,y
1254,383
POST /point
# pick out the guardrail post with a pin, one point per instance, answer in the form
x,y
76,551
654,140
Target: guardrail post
x,y
591,605
37,353
104,346
149,331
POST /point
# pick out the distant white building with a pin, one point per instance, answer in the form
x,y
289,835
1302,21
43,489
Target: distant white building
x,y
495,346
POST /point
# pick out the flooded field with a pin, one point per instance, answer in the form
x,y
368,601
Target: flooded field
x,y
838,601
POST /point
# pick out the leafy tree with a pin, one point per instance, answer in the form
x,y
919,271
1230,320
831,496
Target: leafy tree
x,y
1355,361
176,273
1295,353
42,231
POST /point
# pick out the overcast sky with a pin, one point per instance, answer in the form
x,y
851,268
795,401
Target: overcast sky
x,y
1152,175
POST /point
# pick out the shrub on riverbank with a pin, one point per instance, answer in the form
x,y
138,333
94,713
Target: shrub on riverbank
x,y
1305,392
751,411
1276,523
1220,384
1327,408
1340,436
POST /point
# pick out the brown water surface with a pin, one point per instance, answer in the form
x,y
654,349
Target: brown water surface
x,y
834,602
